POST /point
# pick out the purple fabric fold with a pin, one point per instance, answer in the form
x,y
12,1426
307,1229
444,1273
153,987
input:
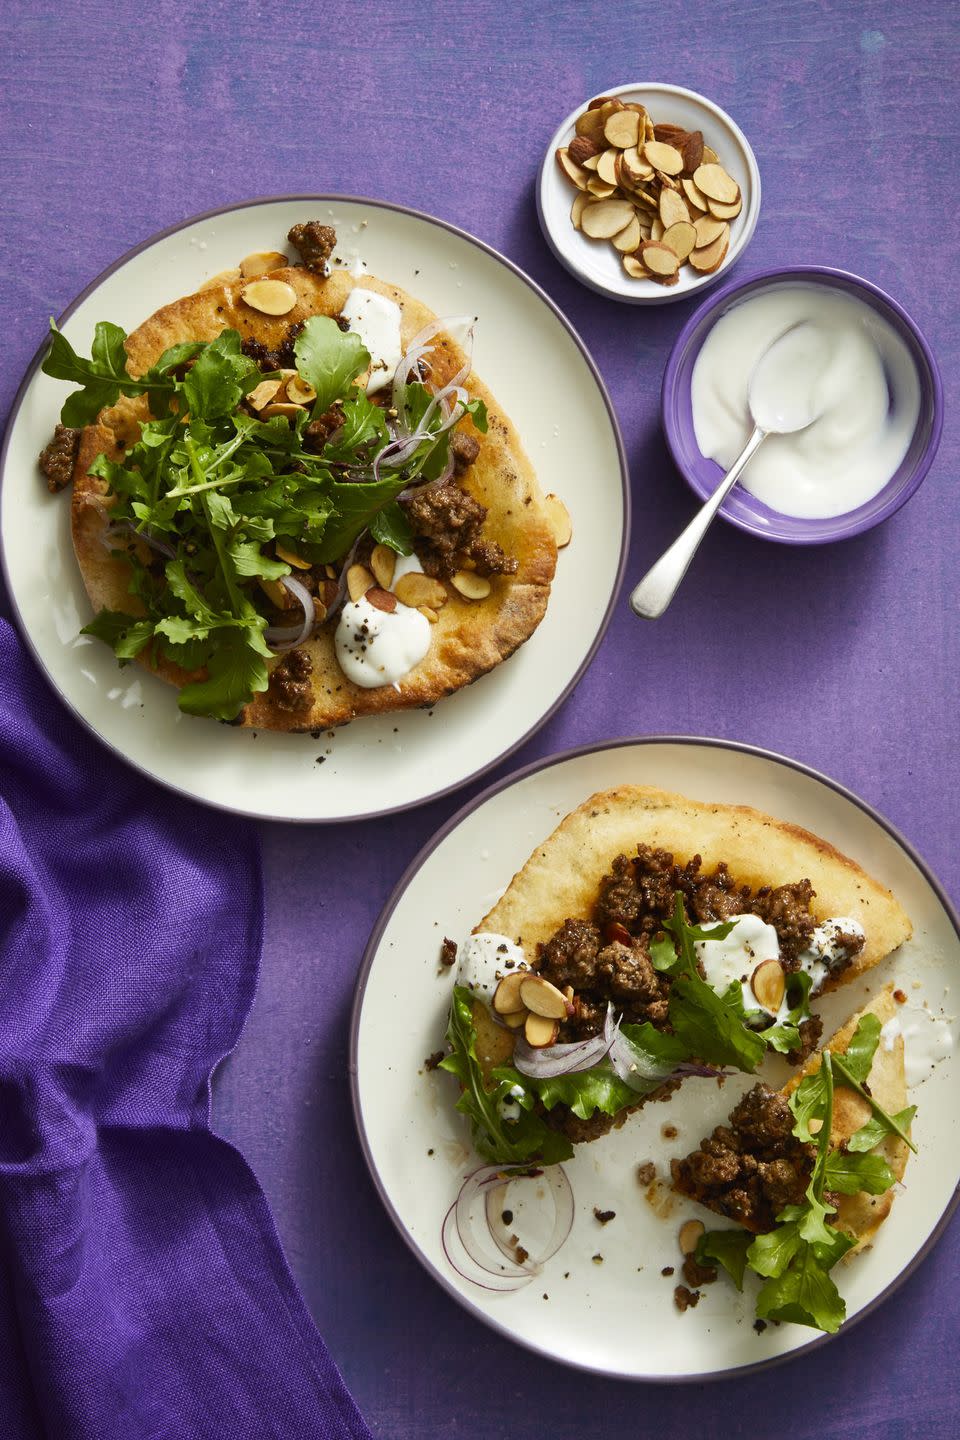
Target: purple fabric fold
x,y
143,1290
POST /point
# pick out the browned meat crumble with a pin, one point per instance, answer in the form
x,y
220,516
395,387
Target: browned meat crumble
x,y
752,1167
58,458
314,243
290,685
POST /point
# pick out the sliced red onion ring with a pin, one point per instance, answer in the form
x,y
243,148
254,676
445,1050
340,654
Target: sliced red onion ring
x,y
288,637
418,347
543,1064
502,1272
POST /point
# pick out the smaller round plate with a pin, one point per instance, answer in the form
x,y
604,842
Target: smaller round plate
x,y
418,1147
595,262
539,371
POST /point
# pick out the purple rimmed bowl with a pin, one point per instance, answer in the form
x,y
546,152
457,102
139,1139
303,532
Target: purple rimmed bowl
x,y
740,507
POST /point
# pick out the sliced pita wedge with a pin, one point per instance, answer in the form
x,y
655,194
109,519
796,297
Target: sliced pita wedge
x,y
563,875
469,637
861,1215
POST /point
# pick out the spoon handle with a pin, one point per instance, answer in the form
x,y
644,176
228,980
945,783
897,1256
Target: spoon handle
x,y
658,587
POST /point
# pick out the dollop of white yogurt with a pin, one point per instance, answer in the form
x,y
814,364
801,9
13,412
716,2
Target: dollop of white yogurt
x,y
509,1107
376,319
376,648
825,949
856,372
927,1039
738,954
484,959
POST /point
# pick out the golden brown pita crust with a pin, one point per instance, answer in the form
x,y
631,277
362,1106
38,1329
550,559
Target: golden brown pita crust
x,y
470,637
562,877
862,1214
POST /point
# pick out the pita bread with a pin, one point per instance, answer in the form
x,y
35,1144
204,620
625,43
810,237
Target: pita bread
x,y
470,637
562,878
861,1214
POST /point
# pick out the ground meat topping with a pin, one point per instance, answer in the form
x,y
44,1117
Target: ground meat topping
x,y
448,952
290,686
752,1167
449,521
464,448
318,432
58,458
315,243
283,358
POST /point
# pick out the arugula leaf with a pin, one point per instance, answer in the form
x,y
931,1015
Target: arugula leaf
x,y
364,426
712,1026
727,1248
235,671
328,359
871,1133
769,1254
125,634
804,1293
219,378
102,377
354,509
390,526
849,1174
248,559
784,1035
583,1091
496,1140
858,1056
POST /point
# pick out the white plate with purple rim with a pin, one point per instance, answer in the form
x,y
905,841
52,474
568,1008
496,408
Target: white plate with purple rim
x,y
538,369
617,1316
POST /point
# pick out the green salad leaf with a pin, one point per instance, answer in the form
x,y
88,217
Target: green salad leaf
x,y
795,1258
497,1140
217,486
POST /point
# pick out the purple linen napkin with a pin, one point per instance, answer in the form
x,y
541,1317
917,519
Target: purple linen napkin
x,y
143,1291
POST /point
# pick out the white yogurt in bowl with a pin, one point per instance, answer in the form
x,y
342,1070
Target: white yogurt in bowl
x,y
855,372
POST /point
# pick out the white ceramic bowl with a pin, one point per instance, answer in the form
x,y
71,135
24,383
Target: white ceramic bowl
x,y
595,262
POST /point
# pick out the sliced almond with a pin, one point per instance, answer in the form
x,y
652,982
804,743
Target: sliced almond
x,y
590,126
610,107
672,209
709,258
606,219
282,407
264,393
663,157
628,239
714,182
359,581
471,586
319,610
635,268
656,228
769,984
815,1125
636,167
622,128
692,150
646,197
571,169
607,167
658,259
381,599
277,594
414,589
262,261
542,998
670,135
580,200
708,229
539,1032
517,1021
559,518
506,997
270,297
291,557
592,162
383,563
428,614
690,1232
581,149
696,197
680,238
667,182
710,156
300,392
725,212
599,189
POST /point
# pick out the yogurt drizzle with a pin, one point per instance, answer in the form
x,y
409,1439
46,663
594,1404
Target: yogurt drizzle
x,y
376,648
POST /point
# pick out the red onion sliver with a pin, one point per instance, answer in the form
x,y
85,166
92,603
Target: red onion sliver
x,y
503,1272
279,637
545,1063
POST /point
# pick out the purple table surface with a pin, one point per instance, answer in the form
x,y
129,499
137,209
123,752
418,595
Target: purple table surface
x,y
122,119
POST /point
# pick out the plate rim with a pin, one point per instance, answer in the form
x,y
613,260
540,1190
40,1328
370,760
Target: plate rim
x,y
592,366
366,965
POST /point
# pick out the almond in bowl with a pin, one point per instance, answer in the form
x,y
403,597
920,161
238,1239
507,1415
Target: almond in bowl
x,y
648,189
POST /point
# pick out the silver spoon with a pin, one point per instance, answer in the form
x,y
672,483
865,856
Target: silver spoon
x,y
778,406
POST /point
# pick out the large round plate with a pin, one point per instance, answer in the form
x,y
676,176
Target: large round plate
x,y
538,369
618,1317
